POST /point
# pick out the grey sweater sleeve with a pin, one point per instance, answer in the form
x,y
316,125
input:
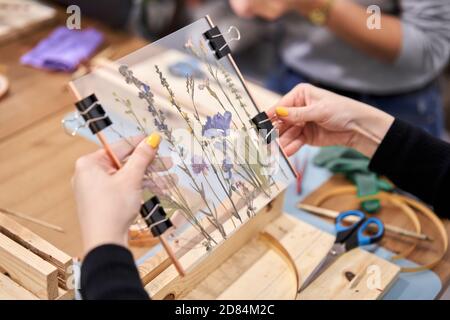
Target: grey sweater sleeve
x,y
426,35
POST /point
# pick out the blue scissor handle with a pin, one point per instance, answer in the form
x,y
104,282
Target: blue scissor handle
x,y
364,240
356,213
353,235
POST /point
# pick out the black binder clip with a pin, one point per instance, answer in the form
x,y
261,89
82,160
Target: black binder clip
x,y
93,114
155,216
218,43
264,126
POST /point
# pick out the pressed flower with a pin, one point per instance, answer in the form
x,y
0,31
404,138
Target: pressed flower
x,y
199,165
217,125
227,167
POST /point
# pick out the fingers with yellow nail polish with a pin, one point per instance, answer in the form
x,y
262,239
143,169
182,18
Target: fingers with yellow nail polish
x,y
154,140
142,156
282,111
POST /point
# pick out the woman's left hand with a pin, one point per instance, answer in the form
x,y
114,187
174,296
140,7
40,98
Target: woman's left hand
x,y
108,200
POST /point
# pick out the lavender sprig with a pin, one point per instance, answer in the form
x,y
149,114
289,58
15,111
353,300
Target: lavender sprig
x,y
160,121
212,213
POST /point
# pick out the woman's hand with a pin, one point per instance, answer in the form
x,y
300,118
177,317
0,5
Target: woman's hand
x,y
309,115
108,200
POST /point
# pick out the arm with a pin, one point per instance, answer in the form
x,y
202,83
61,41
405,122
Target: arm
x,y
418,40
108,272
348,21
412,159
108,201
416,162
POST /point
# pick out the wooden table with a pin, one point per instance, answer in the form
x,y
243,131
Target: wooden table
x,y
37,157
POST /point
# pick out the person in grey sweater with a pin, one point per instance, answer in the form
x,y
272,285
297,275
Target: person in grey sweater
x,y
337,45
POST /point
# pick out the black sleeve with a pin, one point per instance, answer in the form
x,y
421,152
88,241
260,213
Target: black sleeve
x,y
417,163
109,272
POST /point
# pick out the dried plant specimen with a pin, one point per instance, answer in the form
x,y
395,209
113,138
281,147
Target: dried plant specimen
x,y
217,158
160,122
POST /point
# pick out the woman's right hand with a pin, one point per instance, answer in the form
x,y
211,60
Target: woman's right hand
x,y
310,115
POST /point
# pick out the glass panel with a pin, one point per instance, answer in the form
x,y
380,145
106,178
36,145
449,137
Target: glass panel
x,y
222,171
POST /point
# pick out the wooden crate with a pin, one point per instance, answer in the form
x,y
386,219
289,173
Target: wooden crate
x,y
31,267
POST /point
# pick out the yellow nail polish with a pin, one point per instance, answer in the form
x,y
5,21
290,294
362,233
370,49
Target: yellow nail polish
x,y
154,140
282,111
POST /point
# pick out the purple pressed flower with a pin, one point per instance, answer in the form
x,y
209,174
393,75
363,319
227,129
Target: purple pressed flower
x,y
198,165
161,126
217,125
227,166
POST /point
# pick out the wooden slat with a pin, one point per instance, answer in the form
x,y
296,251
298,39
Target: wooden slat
x,y
10,290
367,269
223,277
36,244
27,269
268,278
257,272
169,283
65,294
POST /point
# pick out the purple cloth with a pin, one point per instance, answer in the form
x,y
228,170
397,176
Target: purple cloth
x,y
63,50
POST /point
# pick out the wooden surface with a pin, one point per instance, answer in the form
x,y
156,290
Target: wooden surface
x,y
28,269
373,277
424,252
36,156
255,271
21,16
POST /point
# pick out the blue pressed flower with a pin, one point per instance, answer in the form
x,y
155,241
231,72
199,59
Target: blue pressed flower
x,y
146,87
217,125
198,165
189,67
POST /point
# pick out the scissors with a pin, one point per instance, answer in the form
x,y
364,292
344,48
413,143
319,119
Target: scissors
x,y
348,238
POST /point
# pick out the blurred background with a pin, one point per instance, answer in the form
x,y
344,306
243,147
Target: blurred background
x,y
278,49
258,52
